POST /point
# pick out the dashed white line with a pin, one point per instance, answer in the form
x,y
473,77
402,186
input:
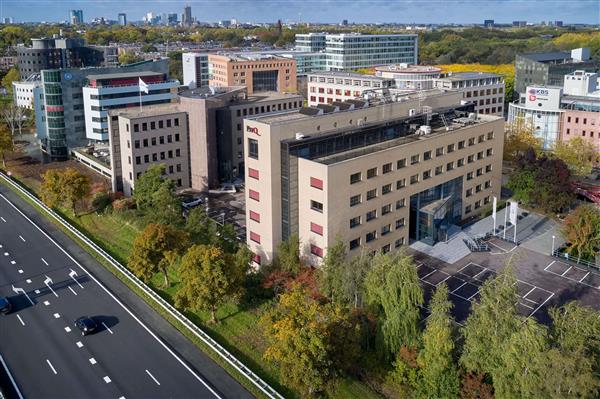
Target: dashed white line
x,y
56,315
44,260
20,319
37,291
151,376
106,379
20,271
105,326
6,254
68,329
73,291
12,380
12,262
46,303
1,218
93,361
28,281
51,366
79,344
21,237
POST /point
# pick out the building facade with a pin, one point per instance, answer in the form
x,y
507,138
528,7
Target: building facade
x,y
195,69
121,90
26,92
140,139
122,19
375,176
259,73
76,17
328,87
410,77
485,90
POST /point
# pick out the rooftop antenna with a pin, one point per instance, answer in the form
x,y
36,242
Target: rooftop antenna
x,y
421,96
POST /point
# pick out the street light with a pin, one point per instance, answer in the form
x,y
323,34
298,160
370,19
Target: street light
x,y
552,253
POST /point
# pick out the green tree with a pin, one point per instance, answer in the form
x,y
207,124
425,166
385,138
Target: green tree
x,y
166,207
200,228
155,249
149,48
522,184
154,195
129,57
209,277
64,187
148,183
491,324
331,272
288,255
581,229
578,154
439,376
6,143
11,76
353,279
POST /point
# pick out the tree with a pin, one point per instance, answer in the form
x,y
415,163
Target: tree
x,y
149,48
6,143
200,228
166,207
491,324
578,154
149,183
581,229
14,117
353,279
519,138
64,187
129,57
288,254
209,278
155,249
439,376
155,196
330,278
11,76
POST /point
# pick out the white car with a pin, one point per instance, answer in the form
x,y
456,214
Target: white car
x,y
224,189
191,202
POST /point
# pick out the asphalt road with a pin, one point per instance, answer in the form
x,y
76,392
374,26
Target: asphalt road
x,y
136,353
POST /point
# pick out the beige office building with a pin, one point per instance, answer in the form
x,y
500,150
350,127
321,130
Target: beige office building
x,y
329,87
376,175
258,72
139,139
485,90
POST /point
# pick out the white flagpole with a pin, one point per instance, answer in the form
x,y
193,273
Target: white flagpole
x,y
140,99
505,216
516,218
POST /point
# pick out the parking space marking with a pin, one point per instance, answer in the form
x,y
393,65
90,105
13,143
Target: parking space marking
x,y
68,329
586,274
565,272
528,292
106,379
551,263
93,361
21,237
44,260
583,278
542,304
105,326
151,376
73,291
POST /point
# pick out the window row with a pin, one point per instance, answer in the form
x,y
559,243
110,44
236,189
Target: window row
x,y
152,141
371,236
161,124
155,157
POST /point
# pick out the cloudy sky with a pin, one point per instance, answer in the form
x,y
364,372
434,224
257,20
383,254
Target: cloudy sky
x,y
402,11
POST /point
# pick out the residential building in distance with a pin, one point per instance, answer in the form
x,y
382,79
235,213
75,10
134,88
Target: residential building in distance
x,y
376,175
195,69
7,62
122,19
485,90
76,17
259,73
549,69
329,87
63,105
351,51
410,77
216,116
139,139
107,91
56,53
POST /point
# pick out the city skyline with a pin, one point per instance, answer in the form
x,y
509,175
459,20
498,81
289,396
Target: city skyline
x,y
330,11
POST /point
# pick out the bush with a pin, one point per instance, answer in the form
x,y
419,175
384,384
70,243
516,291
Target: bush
x,y
123,204
100,201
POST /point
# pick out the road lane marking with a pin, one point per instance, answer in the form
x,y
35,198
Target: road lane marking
x,y
20,319
72,274
20,271
106,379
51,366
151,376
105,326
12,262
48,281
28,281
4,220
56,315
12,380
6,254
44,260
110,294
68,329
79,344
46,303
93,361
21,237
73,291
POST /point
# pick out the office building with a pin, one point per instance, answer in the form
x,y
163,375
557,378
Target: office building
x,y
330,87
351,51
488,23
216,116
195,69
56,53
410,77
139,139
76,17
63,106
549,69
519,24
122,19
186,17
259,73
172,19
107,91
485,90
7,62
376,175
26,92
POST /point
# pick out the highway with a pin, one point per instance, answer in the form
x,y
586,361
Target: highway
x,y
51,281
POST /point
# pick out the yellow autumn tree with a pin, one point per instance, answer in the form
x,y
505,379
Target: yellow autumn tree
x,y
519,137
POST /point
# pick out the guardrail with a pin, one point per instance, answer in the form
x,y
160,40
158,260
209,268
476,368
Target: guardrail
x,y
265,388
557,253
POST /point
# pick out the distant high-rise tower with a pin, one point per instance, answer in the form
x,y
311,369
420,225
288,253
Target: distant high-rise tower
x,y
76,17
345,22
488,23
122,19
186,19
279,26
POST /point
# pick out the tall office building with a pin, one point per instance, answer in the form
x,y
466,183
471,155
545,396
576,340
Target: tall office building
x,y
122,19
186,18
374,175
76,17
350,51
195,69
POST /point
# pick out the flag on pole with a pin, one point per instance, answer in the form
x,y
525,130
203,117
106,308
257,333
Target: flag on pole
x,y
143,86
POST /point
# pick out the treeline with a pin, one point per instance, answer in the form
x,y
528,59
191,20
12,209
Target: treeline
x,y
472,45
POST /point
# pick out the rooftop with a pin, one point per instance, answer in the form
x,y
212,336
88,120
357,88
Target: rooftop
x,y
123,75
341,74
404,68
240,94
241,57
547,57
456,76
146,111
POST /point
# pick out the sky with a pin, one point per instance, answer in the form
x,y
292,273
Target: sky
x,y
375,11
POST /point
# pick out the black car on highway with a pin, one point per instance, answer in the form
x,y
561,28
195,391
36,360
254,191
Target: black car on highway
x,y
5,305
86,325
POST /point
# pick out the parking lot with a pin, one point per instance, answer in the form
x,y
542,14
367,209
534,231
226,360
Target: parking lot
x,y
542,281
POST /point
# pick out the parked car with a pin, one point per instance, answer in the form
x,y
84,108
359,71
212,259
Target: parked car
x,y
86,325
5,305
227,188
190,202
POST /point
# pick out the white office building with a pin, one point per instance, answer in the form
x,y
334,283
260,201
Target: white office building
x,y
329,87
486,90
24,92
195,69
121,90
410,77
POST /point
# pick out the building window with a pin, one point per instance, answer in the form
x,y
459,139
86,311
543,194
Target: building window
x,y
469,192
467,209
414,179
490,135
426,174
136,144
355,177
355,221
371,173
439,170
144,126
252,148
387,168
489,152
371,215
316,228
316,183
316,206
317,251
439,151
253,173
386,189
471,141
414,159
371,194
426,155
449,166
401,203
478,188
355,243
152,125
450,148
477,204
479,171
401,164
386,209
470,176
461,144
386,229
400,223
488,168
355,200
371,236
255,216
488,184
400,184
399,242
470,159
255,195
136,127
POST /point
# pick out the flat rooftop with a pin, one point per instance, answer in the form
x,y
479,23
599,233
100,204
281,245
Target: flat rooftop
x,y
456,76
240,92
340,74
409,69
146,111
547,57
241,57
123,75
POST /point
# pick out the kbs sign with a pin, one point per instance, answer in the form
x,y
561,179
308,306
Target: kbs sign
x,y
544,98
251,129
535,93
